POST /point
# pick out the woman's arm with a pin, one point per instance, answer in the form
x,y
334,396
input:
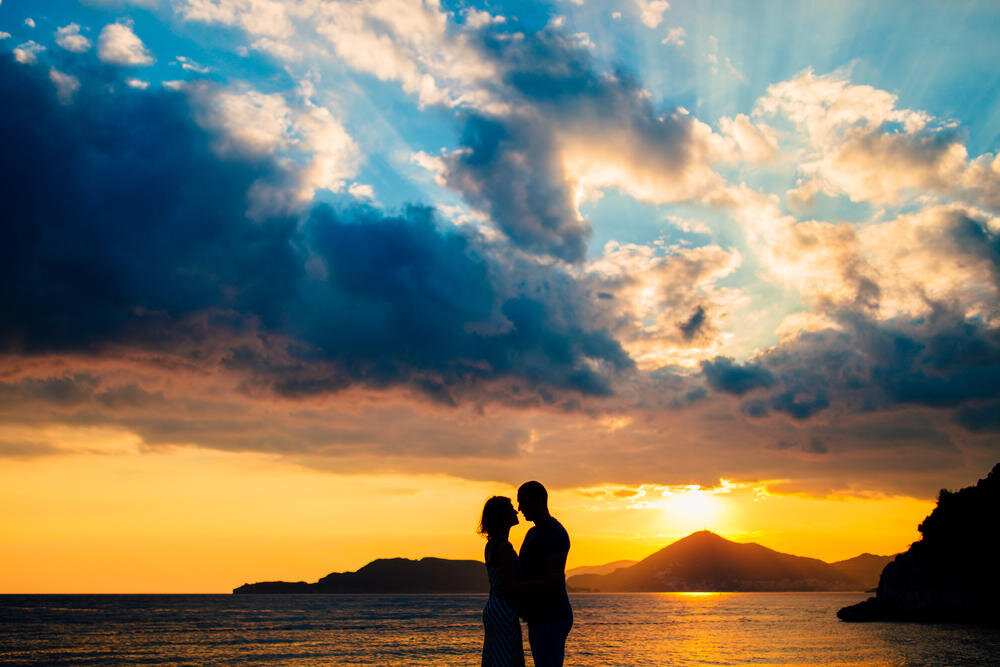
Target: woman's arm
x,y
514,585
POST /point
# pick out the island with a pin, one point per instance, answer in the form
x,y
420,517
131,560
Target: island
x,y
390,576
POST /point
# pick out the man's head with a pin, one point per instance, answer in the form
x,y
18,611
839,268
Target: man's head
x,y
533,501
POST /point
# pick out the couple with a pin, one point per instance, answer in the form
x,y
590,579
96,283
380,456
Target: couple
x,y
532,585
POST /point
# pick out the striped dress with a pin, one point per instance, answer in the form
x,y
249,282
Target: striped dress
x,y
502,646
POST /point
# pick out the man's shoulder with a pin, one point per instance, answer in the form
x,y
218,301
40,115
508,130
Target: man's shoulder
x,y
553,525
555,531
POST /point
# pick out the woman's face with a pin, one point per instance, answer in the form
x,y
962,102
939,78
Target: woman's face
x,y
512,514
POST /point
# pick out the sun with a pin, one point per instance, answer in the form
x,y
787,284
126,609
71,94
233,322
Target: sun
x,y
692,508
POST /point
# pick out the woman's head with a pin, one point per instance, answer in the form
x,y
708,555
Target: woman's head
x,y
498,516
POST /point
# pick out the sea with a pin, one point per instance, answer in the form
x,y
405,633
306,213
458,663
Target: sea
x,y
609,629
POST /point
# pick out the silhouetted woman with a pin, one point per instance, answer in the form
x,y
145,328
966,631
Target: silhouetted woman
x,y
502,646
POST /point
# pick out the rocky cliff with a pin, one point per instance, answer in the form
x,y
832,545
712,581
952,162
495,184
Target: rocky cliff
x,y
953,572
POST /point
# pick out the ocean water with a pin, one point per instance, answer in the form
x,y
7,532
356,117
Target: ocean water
x,y
610,629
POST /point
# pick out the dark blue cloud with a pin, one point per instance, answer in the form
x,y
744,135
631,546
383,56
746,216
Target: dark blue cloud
x,y
68,389
755,407
940,361
121,225
944,360
980,417
400,298
800,405
510,168
796,404
724,374
694,324
510,163
113,207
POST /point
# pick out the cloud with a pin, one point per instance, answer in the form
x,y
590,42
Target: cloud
x,y
29,22
69,38
980,416
664,303
280,50
861,145
149,408
118,45
426,296
66,85
316,150
27,53
361,191
754,143
162,399
263,17
149,4
413,43
940,362
675,36
293,306
904,266
694,324
475,18
651,11
544,129
145,298
573,131
724,374
155,168
511,171
189,65
248,123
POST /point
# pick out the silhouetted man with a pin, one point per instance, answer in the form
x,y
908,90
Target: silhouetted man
x,y
543,554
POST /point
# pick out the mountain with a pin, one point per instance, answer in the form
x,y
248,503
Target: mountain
x,y
865,569
704,561
607,568
952,573
390,576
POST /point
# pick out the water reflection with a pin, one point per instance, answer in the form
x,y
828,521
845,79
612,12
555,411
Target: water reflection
x,y
610,629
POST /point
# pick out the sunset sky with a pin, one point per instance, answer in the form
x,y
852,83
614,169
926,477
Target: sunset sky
x,y
290,285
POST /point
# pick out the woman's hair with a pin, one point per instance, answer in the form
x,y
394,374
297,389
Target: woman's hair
x,y
494,515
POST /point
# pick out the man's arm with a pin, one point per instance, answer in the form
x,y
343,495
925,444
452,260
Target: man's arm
x,y
554,564
555,568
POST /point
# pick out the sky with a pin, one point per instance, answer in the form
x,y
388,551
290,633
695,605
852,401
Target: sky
x,y
291,285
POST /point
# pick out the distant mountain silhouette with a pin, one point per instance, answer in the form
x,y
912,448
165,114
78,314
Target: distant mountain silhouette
x,y
865,569
704,561
953,572
390,575
607,568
